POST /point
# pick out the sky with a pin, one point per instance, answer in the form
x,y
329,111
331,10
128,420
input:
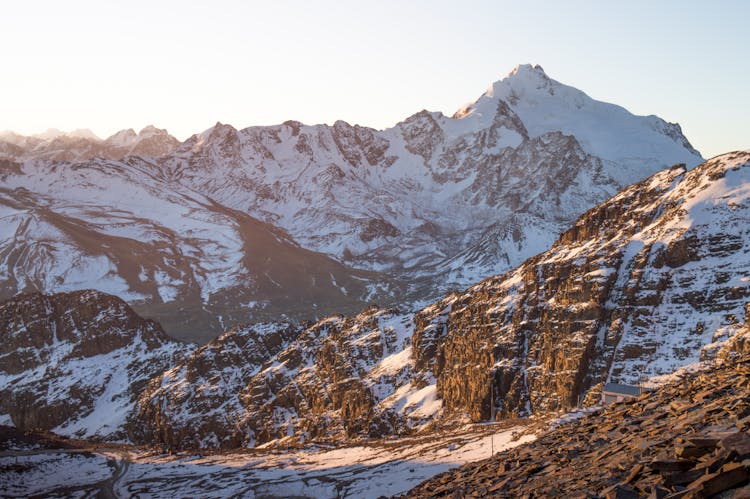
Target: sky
x,y
183,65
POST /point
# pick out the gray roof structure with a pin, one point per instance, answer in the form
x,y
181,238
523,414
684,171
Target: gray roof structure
x,y
630,390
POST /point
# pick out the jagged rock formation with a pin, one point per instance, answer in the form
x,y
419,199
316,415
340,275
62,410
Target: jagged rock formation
x,y
436,201
690,438
76,362
170,402
338,378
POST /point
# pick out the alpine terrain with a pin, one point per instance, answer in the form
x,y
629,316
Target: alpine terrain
x,y
650,281
649,287
246,225
338,311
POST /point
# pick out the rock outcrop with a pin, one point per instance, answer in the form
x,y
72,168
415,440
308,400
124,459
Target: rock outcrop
x,y
340,378
690,438
196,403
76,362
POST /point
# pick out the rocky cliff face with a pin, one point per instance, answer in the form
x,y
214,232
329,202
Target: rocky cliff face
x,y
76,362
336,379
652,279
196,403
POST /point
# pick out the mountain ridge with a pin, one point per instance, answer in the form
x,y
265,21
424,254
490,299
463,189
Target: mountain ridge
x,y
434,202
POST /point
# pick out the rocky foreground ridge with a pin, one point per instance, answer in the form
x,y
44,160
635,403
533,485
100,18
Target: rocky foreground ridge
x,y
688,439
653,279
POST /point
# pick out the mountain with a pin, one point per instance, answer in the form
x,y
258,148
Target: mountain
x,y
650,281
464,197
437,202
81,145
175,254
76,362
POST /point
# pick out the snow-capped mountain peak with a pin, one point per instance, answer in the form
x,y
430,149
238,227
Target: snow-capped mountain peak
x,y
83,144
149,130
437,201
123,138
528,69
605,130
528,76
79,133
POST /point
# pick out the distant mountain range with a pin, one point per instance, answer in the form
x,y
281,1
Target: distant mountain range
x,y
80,145
303,221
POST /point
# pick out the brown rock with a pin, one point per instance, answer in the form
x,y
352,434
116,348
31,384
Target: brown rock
x,y
620,492
743,493
670,465
729,477
738,443
689,451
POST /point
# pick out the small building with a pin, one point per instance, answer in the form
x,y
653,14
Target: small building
x,y
617,392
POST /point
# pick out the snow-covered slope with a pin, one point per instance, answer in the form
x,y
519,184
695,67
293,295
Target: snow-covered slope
x,y
173,253
75,363
465,196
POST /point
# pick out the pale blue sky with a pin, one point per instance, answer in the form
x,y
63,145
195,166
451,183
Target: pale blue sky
x,y
182,65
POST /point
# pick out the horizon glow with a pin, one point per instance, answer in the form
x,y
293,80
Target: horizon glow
x,y
183,66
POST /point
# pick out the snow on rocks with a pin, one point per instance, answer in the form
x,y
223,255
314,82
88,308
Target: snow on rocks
x,y
76,362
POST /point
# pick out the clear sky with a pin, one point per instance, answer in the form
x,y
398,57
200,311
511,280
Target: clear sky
x,y
182,65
